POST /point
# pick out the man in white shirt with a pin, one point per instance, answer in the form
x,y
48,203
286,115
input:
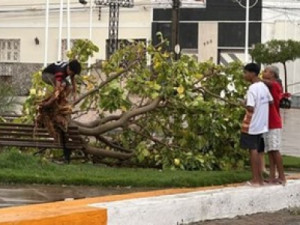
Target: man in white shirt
x,y
256,120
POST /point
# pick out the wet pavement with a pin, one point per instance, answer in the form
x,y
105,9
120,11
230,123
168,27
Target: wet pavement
x,y
14,195
290,133
283,217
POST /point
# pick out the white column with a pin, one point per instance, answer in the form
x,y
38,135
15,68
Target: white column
x,y
90,31
247,33
285,21
60,29
68,26
46,33
295,26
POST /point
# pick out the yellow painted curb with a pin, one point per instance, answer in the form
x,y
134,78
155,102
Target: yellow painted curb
x,y
41,215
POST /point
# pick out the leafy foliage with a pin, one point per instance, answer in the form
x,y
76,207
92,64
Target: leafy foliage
x,y
171,114
277,51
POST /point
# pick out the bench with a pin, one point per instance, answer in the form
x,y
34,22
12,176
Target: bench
x,y
10,117
25,135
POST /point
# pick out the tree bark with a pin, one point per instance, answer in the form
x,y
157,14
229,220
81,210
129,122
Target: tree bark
x,y
103,128
104,153
285,78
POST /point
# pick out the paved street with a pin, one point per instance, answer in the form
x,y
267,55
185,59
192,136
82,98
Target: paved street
x,y
283,217
12,195
290,134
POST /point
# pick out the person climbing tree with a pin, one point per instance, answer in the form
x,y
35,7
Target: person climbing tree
x,y
57,74
54,112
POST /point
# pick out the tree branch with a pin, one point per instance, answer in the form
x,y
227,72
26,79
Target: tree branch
x,y
113,76
219,97
104,153
112,145
102,128
109,118
87,125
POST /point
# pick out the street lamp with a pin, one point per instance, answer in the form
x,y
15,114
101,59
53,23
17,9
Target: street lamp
x,y
247,8
83,2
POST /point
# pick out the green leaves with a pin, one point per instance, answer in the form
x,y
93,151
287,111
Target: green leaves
x,y
113,97
82,50
276,51
194,126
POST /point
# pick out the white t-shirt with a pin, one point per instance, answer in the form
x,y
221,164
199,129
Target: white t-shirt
x,y
259,97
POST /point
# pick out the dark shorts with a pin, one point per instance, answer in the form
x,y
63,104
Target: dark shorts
x,y
261,147
49,78
250,142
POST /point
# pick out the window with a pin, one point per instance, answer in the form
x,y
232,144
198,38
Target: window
x,y
64,47
6,80
6,72
9,50
6,69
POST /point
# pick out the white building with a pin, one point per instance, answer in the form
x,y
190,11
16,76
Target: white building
x,y
281,20
22,32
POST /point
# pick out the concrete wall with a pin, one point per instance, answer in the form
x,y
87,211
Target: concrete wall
x,y
208,41
21,76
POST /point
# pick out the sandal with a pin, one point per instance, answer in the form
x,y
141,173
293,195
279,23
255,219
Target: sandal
x,y
250,184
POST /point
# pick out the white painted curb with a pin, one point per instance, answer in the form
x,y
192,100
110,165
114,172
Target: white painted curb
x,y
202,205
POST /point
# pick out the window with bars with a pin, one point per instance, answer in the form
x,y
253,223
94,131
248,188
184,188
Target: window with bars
x,y
10,50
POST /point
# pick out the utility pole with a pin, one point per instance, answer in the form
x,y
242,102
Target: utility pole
x,y
175,28
113,26
247,32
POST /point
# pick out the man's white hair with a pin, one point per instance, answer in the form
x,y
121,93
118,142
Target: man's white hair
x,y
273,69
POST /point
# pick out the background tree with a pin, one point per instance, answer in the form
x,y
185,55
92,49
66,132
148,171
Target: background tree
x,y
153,111
277,51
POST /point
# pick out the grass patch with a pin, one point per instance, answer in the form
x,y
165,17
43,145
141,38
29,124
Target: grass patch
x,y
27,169
289,162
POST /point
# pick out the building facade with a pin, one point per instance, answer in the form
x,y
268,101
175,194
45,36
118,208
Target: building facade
x,y
281,20
215,32
22,34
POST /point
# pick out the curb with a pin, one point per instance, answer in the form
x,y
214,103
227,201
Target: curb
x,y
164,207
202,205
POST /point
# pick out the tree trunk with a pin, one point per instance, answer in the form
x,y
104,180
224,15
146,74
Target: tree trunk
x,y
285,78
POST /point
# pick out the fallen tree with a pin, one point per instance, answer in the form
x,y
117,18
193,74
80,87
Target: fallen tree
x,y
154,111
